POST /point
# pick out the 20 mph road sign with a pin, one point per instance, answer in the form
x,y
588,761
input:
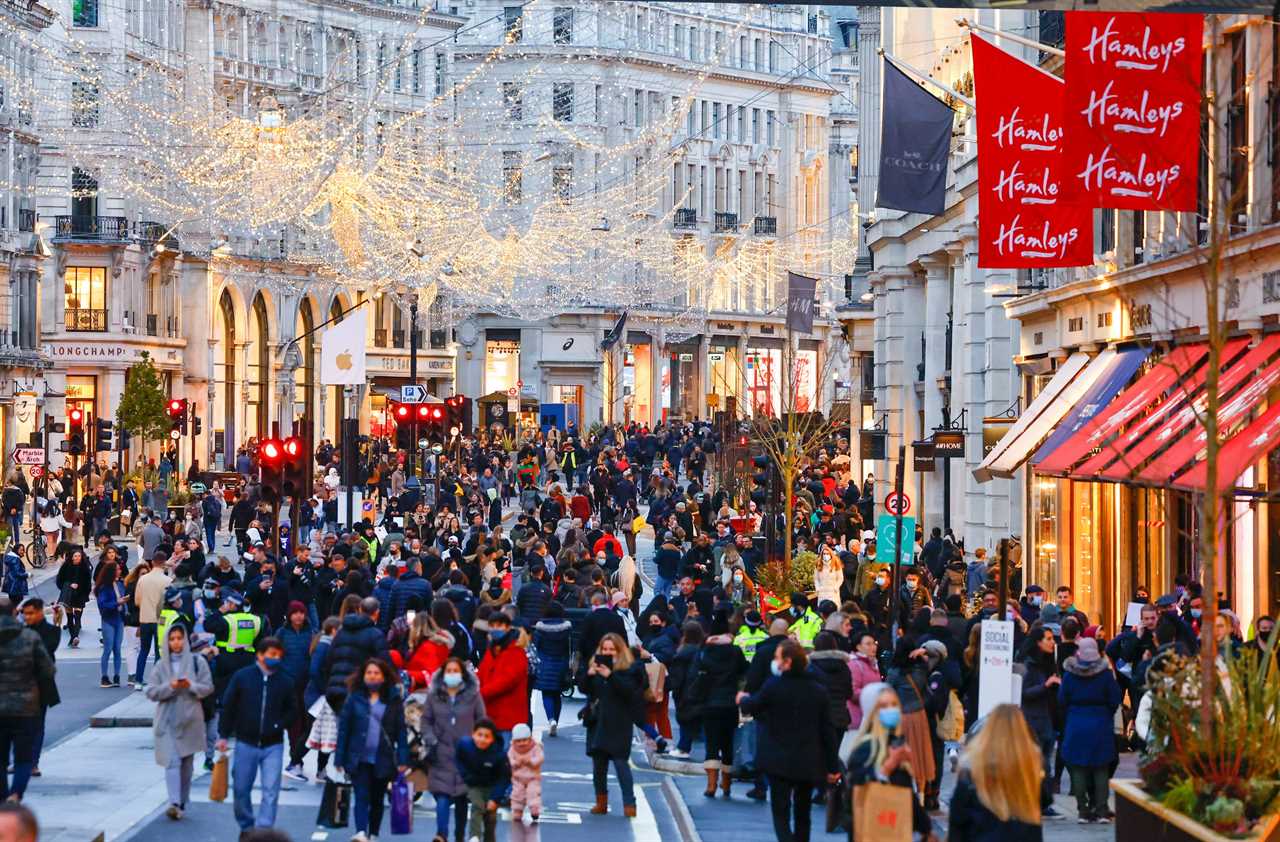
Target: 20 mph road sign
x,y
897,504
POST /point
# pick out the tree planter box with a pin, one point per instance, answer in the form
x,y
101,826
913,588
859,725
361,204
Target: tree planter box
x,y
1138,816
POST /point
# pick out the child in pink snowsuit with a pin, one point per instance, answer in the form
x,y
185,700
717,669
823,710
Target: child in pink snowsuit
x,y
526,759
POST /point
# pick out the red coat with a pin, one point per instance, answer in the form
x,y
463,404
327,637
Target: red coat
x,y
425,660
580,506
504,680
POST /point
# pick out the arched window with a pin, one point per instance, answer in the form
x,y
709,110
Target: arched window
x,y
259,371
305,376
225,372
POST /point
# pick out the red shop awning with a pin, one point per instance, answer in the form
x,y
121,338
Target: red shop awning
x,y
1242,450
1246,392
1126,406
1121,456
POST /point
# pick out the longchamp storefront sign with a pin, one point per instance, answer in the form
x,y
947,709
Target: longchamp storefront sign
x,y
89,352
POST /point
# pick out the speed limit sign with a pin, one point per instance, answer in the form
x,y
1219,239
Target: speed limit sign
x,y
897,503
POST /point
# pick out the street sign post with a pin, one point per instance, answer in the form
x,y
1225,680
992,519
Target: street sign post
x,y
897,503
413,393
887,539
29,455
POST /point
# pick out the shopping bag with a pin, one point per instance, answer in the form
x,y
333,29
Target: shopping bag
x,y
218,780
881,813
401,807
335,805
744,749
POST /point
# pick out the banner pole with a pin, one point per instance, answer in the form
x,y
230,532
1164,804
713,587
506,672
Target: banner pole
x,y
965,23
925,77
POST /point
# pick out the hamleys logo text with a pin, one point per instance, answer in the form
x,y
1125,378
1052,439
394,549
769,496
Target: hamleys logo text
x,y
1030,137
1012,184
1143,182
1045,243
1141,117
1107,46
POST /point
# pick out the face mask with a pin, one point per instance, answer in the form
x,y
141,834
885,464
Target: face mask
x,y
1196,612
453,679
880,581
1037,600
373,685
890,717
911,586
775,668
737,577
271,664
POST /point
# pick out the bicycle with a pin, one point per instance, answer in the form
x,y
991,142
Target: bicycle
x,y
35,553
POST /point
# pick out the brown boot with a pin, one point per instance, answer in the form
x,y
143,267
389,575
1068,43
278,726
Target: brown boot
x,y
726,778
629,810
602,805
711,782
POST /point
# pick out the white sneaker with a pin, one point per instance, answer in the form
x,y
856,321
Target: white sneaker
x,y
953,757
295,772
551,732
677,754
360,837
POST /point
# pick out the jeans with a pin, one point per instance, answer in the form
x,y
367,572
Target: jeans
x,y
146,636
245,766
112,641
784,793
210,535
370,793
483,823
1046,742
17,738
1089,786
552,703
443,804
662,586
75,616
622,769
39,737
689,730
177,779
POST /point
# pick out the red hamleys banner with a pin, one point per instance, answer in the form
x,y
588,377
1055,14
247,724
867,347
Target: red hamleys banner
x,y
1024,220
1133,109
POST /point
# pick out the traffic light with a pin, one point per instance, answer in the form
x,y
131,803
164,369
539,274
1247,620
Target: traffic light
x,y
403,416
765,481
123,438
270,460
196,424
102,435
293,467
431,421
177,410
458,410
75,430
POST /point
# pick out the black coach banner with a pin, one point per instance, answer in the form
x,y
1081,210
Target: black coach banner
x,y
915,140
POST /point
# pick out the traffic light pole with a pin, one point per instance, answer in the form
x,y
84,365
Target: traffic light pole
x,y
409,469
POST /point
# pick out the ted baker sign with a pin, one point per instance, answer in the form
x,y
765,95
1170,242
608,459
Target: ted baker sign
x,y
1133,109
1025,219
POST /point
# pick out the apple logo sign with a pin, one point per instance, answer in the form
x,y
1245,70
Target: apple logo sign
x,y
568,343
343,361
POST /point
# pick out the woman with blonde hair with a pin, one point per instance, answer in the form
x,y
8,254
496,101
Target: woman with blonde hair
x,y
879,753
997,794
627,579
828,575
614,684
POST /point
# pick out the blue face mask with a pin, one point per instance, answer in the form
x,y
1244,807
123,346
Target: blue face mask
x,y
271,664
1196,612
453,679
775,667
1037,600
890,718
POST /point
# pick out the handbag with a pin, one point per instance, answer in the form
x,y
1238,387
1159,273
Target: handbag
x,y
218,779
656,673
335,805
882,813
950,726
401,807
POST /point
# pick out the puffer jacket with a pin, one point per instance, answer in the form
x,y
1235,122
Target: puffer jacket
x,y
863,671
356,642
444,721
382,592
26,664
552,642
428,657
831,668
722,667
297,653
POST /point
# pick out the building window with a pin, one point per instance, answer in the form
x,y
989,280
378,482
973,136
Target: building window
x,y
442,68
84,12
513,17
773,57
758,58
770,127
512,178
562,25
755,125
417,70
715,120
562,102
694,50
84,105
562,180
691,120
85,298
513,101
639,107
679,40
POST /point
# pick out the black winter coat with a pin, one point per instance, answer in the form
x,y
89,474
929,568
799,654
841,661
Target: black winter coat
x,y
356,642
531,602
598,623
615,705
719,669
409,584
972,822
1039,702
831,669
795,740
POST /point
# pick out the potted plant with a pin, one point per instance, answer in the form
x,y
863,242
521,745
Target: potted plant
x,y
1219,782
776,581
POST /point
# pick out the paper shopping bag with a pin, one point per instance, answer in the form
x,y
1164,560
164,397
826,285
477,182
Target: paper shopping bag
x,y
881,813
335,805
218,780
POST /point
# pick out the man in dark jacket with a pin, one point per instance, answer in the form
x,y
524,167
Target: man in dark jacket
x,y
534,596
410,584
357,641
28,672
667,559
258,706
601,620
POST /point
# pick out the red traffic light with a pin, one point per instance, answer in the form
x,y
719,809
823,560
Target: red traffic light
x,y
76,416
177,408
742,441
270,451
401,412
437,414
292,448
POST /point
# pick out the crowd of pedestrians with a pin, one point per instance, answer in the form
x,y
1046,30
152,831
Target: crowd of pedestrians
x,y
412,643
